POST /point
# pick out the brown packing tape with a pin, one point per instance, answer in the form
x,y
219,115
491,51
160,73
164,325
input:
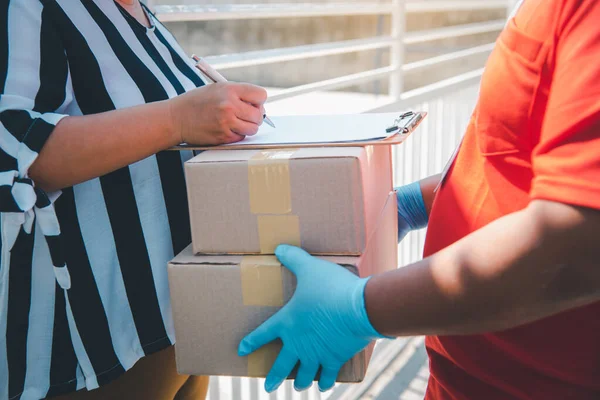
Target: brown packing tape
x,y
271,199
269,182
261,361
262,283
274,230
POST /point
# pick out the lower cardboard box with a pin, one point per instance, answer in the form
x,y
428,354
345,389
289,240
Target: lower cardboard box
x,y
217,300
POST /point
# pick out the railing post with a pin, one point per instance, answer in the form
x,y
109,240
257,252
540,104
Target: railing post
x,y
397,50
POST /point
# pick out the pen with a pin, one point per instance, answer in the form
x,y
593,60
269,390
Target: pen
x,y
215,76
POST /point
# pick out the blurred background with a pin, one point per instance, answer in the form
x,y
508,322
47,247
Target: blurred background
x,y
353,56
235,36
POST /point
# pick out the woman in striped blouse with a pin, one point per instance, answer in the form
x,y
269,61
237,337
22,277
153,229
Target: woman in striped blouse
x,y
92,206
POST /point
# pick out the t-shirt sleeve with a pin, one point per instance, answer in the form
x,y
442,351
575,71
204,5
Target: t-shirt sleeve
x,y
33,90
566,161
33,87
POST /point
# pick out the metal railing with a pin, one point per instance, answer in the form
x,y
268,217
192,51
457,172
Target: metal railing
x,y
449,102
398,10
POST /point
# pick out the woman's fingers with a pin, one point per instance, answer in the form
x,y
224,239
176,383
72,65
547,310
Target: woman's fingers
x,y
249,113
263,113
251,94
244,128
233,137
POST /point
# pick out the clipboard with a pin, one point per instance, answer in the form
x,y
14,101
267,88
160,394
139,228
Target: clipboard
x,y
391,129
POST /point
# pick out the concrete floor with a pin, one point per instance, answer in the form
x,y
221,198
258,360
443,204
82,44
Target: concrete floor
x,y
398,370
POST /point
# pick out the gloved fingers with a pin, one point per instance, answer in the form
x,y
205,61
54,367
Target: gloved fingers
x,y
412,213
265,333
282,367
293,258
328,376
306,375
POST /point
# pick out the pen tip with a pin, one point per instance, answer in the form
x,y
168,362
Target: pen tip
x,y
268,121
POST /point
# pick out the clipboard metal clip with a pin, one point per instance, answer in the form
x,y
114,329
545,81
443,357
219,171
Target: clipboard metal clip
x,y
400,123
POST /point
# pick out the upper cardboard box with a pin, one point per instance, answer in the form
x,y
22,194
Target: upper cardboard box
x,y
326,200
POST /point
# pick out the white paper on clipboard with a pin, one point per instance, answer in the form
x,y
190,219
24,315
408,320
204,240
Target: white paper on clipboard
x,y
322,129
310,130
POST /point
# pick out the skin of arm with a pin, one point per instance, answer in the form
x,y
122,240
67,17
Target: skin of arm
x,y
85,147
522,267
112,140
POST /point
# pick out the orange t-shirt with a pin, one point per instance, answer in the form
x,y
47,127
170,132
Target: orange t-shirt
x,y
535,134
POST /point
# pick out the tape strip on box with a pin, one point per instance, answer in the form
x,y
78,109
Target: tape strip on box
x,y
262,285
274,230
262,282
261,361
271,199
269,182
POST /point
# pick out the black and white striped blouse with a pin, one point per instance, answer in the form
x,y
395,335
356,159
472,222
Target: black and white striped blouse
x,y
83,281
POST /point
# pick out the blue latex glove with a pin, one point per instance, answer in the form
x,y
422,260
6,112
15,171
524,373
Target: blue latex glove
x,y
323,325
412,214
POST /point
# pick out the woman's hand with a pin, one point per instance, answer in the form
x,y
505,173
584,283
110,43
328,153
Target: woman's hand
x,y
210,115
217,113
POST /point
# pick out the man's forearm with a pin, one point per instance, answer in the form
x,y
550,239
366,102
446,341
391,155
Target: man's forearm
x,y
85,147
428,185
522,267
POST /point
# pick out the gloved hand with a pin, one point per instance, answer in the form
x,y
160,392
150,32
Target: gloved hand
x,y
412,214
323,325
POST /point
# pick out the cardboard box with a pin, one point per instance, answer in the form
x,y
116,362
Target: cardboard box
x,y
325,200
217,300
